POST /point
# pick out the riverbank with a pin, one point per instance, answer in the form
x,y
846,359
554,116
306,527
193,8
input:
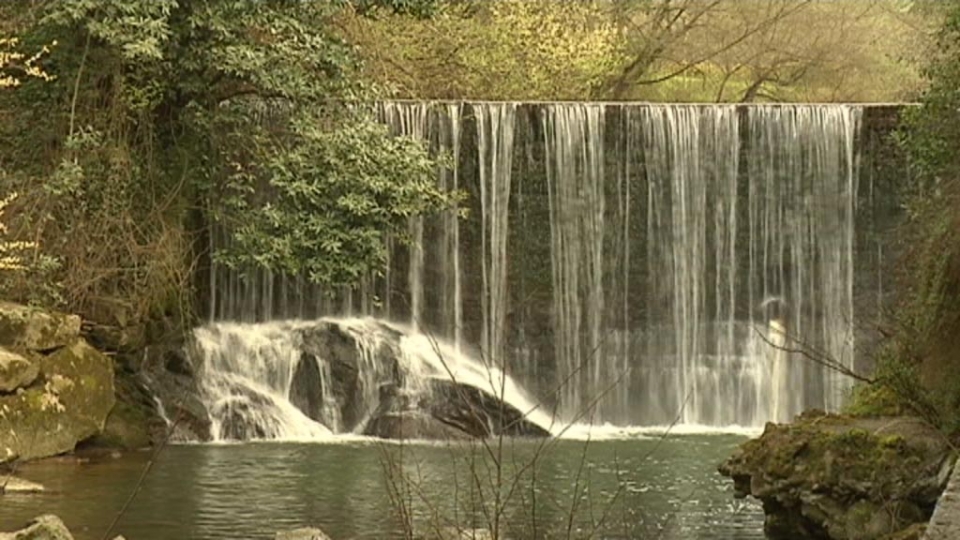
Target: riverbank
x,y
828,476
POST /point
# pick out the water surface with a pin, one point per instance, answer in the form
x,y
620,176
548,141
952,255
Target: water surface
x,y
667,490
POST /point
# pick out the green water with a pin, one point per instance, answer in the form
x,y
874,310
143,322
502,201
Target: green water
x,y
666,490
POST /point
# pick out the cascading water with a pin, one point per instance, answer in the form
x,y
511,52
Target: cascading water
x,y
308,380
630,261
575,180
495,127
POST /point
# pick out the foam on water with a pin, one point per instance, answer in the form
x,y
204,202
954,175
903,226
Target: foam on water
x,y
246,376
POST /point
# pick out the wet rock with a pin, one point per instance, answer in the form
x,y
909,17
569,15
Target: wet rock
x,y
834,477
16,371
306,390
45,527
168,374
12,484
247,415
346,360
71,404
134,422
27,328
305,533
446,411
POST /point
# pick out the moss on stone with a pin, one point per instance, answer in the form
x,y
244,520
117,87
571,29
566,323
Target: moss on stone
x,y
69,403
843,475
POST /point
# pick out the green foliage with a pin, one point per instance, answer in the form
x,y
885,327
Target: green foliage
x,y
334,197
896,390
241,108
655,50
919,365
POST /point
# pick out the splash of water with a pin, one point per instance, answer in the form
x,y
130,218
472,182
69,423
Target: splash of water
x,y
248,372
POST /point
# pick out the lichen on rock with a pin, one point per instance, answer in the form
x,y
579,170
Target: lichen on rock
x,y
16,371
71,404
835,477
32,329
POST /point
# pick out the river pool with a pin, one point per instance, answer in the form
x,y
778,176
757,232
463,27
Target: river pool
x,y
635,487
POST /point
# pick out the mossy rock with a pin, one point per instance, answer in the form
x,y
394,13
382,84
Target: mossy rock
x,y
68,403
32,329
16,371
134,422
832,476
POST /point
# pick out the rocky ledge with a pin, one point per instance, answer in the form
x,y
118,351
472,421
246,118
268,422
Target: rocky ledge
x,y
835,477
55,389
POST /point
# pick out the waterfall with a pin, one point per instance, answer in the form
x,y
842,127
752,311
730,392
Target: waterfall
x,y
575,164
495,126
287,381
628,263
411,120
691,155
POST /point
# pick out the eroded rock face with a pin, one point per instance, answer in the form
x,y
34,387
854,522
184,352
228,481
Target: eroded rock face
x,y
67,404
170,375
834,477
344,384
16,371
27,328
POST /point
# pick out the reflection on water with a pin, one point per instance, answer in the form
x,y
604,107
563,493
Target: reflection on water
x,y
670,491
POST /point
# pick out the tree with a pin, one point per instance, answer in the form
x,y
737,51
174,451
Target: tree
x,y
11,257
655,50
509,49
15,66
789,50
168,114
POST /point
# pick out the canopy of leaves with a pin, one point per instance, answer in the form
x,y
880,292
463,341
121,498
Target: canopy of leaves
x,y
657,50
166,114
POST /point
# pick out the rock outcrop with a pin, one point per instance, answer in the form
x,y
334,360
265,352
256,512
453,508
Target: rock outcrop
x,y
55,389
352,373
31,329
348,376
67,404
835,477
171,376
16,371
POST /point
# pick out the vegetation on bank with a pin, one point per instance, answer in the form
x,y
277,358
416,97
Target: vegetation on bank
x,y
918,369
161,118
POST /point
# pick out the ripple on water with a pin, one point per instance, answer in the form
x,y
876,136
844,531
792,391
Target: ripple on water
x,y
661,489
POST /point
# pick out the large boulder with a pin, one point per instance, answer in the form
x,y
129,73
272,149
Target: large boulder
x,y
353,376
16,371
68,403
134,421
835,477
46,527
27,328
